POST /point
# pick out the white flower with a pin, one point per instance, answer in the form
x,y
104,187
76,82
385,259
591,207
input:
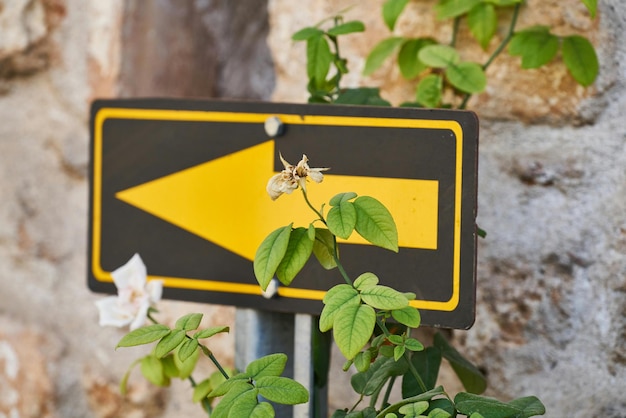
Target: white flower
x,y
135,295
293,176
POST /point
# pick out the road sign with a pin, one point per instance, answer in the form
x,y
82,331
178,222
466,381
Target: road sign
x,y
182,183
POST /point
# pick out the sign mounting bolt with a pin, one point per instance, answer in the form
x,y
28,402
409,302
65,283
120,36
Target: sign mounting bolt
x,y
274,126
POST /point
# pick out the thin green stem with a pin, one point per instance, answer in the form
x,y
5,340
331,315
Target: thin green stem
x,y
499,49
218,365
455,30
343,272
412,369
506,39
319,215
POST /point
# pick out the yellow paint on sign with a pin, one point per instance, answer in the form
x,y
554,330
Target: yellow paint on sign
x,y
224,201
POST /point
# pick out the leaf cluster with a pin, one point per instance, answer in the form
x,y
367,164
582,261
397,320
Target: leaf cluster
x,y
262,378
285,251
175,353
438,68
431,401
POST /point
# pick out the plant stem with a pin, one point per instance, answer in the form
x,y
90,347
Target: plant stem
x,y
319,215
506,39
343,272
388,391
455,30
498,50
414,372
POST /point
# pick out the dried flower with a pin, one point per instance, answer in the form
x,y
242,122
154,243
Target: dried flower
x,y
293,176
135,295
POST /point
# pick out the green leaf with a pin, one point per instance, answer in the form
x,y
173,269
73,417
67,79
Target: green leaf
x,y
209,332
408,316
353,327
392,10
363,360
467,403
379,372
529,406
503,2
185,368
408,57
375,223
262,410
369,96
241,399
439,56
365,281
323,248
427,364
187,349
413,344
383,297
270,365
592,6
430,90
580,59
444,404
124,381
189,322
398,352
298,252
306,33
337,297
169,366
319,59
347,27
282,390
453,8
467,76
144,335
439,413
536,45
396,339
201,390
427,396
337,199
483,22
269,255
380,52
473,380
341,219
152,370
414,409
227,385
169,342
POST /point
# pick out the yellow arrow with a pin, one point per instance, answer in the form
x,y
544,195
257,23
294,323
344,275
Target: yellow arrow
x,y
224,201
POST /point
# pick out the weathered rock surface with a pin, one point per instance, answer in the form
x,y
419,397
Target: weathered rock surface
x,y
552,271
26,386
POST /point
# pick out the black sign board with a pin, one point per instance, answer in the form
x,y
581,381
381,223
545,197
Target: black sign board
x,y
182,183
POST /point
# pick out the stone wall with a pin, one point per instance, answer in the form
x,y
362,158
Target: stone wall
x,y
552,271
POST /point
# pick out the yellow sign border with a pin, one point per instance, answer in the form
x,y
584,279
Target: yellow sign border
x,y
294,119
